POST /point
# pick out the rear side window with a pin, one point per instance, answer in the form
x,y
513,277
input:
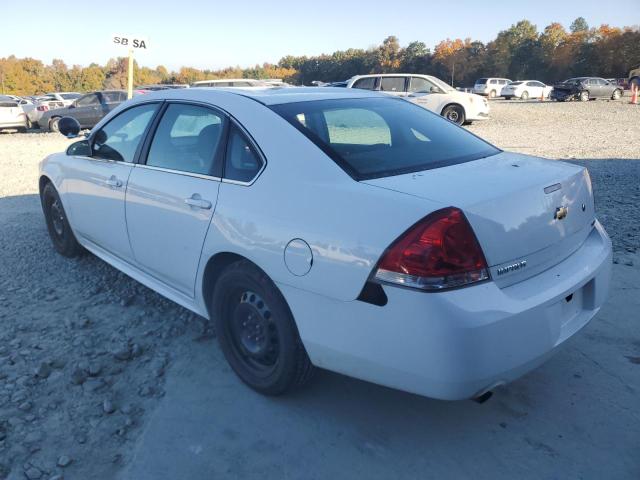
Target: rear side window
x,y
493,82
242,162
392,84
119,139
380,137
187,139
368,83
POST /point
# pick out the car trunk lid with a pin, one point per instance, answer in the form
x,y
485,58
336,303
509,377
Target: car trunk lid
x,y
527,213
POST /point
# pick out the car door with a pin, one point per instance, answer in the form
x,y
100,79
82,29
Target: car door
x,y
424,93
95,185
172,193
84,109
534,89
606,88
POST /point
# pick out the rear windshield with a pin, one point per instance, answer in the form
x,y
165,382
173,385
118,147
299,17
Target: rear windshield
x,y
381,137
481,81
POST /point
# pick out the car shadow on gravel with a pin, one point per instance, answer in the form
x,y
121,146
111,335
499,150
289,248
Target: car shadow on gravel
x,y
83,351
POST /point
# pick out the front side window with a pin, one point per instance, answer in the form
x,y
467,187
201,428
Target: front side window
x,y
380,137
87,100
119,139
368,83
187,139
110,97
419,84
392,84
242,162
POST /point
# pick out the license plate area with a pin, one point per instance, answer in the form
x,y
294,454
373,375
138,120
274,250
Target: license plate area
x,y
568,315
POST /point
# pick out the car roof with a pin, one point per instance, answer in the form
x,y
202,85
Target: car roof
x,y
225,80
266,96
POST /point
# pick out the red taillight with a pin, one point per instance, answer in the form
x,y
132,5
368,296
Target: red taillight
x,y
42,108
440,251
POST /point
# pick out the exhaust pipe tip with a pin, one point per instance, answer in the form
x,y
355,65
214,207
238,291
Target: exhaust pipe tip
x,y
484,397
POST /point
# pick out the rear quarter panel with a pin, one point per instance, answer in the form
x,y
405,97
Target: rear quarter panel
x,y
303,194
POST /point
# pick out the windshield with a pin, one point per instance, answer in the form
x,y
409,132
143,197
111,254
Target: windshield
x,y
381,137
516,83
481,81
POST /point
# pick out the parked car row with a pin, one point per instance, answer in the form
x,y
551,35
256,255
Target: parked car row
x,y
585,89
579,88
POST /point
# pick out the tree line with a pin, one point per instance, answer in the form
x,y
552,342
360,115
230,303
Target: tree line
x,y
519,52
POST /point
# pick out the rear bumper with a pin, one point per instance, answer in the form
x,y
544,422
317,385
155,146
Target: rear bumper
x,y
14,124
457,344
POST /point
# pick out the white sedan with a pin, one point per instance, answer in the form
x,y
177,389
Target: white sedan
x,y
336,228
526,89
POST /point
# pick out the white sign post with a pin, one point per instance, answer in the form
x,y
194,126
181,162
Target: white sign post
x,y
130,42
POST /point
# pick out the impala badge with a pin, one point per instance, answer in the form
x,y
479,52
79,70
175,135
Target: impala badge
x,y
561,212
512,268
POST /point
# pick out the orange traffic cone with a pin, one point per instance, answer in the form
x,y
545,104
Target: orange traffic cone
x,y
634,95
542,96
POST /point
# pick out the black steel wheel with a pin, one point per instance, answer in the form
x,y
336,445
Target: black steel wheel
x,y
257,332
454,113
62,237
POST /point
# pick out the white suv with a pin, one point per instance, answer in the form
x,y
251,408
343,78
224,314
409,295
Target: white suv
x,y
428,92
490,87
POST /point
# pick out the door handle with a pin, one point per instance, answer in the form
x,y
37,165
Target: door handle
x,y
197,202
113,182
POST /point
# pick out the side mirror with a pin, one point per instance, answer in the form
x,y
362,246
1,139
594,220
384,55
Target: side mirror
x,y
69,127
81,149
435,90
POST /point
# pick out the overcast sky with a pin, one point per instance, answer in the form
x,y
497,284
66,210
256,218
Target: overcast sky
x,y
214,34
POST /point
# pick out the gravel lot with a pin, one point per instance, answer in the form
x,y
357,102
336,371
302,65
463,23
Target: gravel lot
x,y
85,350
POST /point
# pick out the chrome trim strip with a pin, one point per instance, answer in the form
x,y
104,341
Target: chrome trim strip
x,y
177,172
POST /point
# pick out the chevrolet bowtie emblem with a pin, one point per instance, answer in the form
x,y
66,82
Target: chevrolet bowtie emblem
x,y
561,212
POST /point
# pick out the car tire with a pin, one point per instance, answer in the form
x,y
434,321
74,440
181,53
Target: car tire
x,y
617,93
454,113
524,96
29,124
584,96
62,237
492,94
53,125
257,332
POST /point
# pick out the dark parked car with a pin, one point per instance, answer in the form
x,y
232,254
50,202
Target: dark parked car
x,y
88,110
585,88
